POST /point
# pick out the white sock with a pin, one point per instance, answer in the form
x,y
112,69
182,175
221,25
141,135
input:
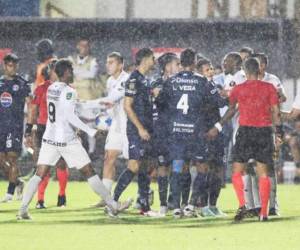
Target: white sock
x,y
31,189
273,193
248,191
255,191
108,183
98,187
92,144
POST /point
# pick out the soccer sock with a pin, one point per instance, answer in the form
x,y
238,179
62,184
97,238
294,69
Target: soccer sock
x,y
144,187
98,187
255,192
215,184
186,180
32,187
176,189
264,192
42,187
124,180
163,189
238,186
273,193
92,144
199,189
108,183
62,177
11,188
248,194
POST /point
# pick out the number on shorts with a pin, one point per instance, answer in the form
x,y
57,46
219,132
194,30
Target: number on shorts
x,y
51,111
183,103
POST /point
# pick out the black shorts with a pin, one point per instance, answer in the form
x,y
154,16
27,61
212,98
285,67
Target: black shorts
x,y
160,142
11,139
216,150
39,134
254,143
138,148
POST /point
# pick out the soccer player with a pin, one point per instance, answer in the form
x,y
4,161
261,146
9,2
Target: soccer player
x,y
245,53
216,147
138,107
169,65
14,93
38,115
258,104
185,95
116,142
60,140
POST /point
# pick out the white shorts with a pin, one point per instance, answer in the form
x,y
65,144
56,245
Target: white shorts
x,y
73,153
117,141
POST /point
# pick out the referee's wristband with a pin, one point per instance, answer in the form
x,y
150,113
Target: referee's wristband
x,y
218,126
28,129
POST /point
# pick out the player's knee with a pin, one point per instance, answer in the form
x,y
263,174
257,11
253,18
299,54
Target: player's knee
x,y
87,171
109,161
177,166
42,171
133,166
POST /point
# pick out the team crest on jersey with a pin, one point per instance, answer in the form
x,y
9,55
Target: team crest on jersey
x,y
6,99
69,96
232,84
15,87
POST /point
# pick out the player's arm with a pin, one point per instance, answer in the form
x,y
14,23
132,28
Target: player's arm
x,y
128,106
70,104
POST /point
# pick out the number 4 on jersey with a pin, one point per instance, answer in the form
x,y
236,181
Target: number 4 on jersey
x,y
183,103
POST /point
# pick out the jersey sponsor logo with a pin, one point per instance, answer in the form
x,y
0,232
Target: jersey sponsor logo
x,y
232,84
184,80
214,91
69,96
15,87
6,100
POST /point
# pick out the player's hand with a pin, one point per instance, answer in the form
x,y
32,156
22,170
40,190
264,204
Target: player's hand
x,y
155,92
212,133
28,142
224,93
144,134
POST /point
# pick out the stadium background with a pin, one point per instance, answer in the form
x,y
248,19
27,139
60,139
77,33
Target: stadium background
x,y
212,27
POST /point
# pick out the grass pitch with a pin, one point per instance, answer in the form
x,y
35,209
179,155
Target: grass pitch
x,y
80,227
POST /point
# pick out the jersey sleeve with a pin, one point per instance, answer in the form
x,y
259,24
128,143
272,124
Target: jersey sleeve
x,y
296,103
70,100
116,94
130,87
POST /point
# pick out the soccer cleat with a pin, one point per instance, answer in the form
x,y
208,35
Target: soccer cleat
x,y
177,213
7,198
189,211
152,214
241,214
24,215
40,205
273,212
253,212
124,205
19,190
206,212
163,211
262,218
61,201
217,212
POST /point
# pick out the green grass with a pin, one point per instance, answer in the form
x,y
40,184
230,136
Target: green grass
x,y
79,227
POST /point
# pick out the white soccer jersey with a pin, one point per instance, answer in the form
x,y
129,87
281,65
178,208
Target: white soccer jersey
x,y
275,81
62,121
236,79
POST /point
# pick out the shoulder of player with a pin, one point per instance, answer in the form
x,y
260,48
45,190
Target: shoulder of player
x,y
21,79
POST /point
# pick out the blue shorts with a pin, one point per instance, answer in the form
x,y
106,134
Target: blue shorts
x,y
216,150
11,140
139,149
188,149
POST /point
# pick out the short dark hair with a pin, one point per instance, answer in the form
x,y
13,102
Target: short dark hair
x,y
236,58
11,58
141,54
262,57
47,69
251,66
61,66
117,56
164,59
201,62
248,50
187,57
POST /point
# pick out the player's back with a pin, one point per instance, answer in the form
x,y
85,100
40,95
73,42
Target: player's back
x,y
186,97
61,100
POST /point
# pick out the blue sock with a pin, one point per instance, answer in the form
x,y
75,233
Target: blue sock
x,y
199,189
176,189
214,189
11,188
124,180
163,189
186,180
144,188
